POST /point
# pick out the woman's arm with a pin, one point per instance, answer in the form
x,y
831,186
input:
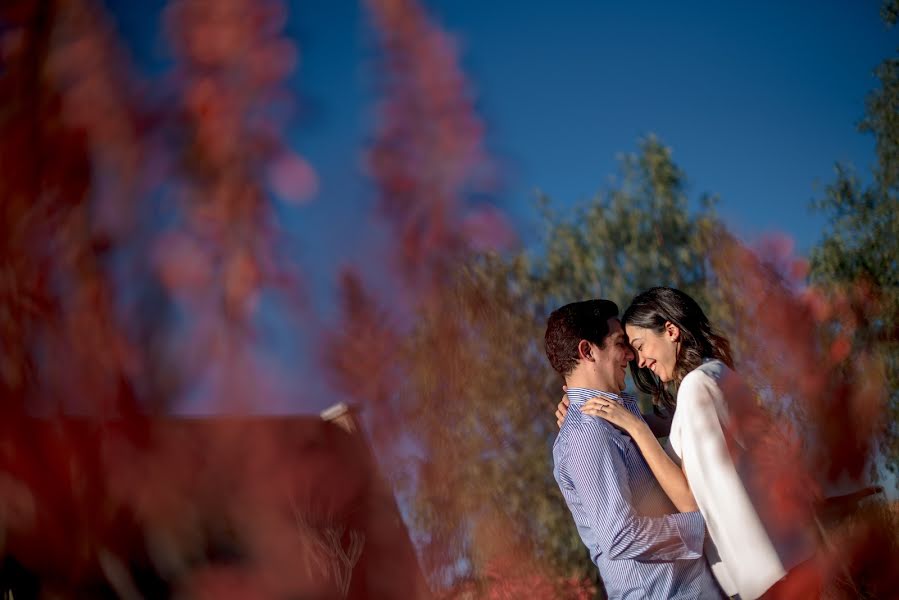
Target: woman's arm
x,y
669,475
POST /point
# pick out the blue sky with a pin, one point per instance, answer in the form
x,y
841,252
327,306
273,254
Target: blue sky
x,y
757,101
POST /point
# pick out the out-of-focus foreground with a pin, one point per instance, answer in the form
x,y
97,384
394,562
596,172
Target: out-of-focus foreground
x,y
141,247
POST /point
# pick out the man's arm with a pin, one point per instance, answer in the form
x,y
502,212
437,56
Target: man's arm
x,y
599,475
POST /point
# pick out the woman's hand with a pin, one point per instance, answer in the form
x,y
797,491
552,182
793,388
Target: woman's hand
x,y
562,408
615,413
669,475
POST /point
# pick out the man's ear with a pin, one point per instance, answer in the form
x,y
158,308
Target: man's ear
x,y
672,331
584,351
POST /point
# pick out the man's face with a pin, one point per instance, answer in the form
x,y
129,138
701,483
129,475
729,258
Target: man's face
x,y
611,360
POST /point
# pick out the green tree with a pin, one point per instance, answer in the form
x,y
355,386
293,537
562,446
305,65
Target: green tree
x,y
481,394
857,257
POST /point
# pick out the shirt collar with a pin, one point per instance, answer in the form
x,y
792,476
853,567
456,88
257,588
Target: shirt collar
x,y
578,396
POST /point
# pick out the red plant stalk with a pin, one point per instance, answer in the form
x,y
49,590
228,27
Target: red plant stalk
x,y
813,435
223,251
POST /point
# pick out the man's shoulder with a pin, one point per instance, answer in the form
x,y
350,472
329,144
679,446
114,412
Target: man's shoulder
x,y
585,429
578,421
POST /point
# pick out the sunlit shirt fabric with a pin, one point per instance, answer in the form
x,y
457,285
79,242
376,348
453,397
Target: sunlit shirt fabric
x,y
642,546
745,556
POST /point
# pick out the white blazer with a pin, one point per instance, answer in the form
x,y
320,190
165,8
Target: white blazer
x,y
741,553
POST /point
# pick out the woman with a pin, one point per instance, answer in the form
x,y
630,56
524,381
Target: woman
x,y
709,465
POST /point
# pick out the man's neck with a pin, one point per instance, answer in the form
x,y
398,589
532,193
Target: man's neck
x,y
580,380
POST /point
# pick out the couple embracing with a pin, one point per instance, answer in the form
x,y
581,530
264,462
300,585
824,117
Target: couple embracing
x,y
696,519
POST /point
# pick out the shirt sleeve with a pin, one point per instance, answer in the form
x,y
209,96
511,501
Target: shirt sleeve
x,y
599,475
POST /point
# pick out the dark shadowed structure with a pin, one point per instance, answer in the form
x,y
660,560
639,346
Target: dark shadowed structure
x,y
274,507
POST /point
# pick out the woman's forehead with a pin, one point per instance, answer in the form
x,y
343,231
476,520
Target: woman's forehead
x,y
633,331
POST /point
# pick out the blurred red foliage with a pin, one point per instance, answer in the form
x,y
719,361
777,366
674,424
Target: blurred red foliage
x,y
824,399
101,492
427,156
113,201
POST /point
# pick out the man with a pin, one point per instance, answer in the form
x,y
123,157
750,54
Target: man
x,y
641,545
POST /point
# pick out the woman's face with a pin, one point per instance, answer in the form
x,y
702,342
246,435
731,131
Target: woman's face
x,y
655,351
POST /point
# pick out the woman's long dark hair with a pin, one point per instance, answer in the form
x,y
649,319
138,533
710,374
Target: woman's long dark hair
x,y
651,310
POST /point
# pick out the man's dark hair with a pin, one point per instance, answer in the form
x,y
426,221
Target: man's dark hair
x,y
568,325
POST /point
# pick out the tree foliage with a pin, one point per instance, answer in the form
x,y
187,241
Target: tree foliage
x,y
858,256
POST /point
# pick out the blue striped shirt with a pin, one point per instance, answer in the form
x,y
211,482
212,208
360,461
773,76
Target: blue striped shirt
x,y
642,546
